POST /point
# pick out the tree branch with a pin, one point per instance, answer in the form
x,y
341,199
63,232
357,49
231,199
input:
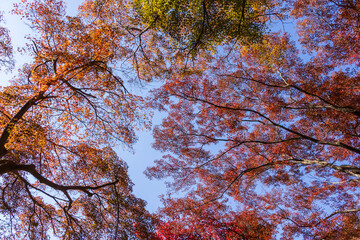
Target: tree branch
x,y
9,166
12,123
312,139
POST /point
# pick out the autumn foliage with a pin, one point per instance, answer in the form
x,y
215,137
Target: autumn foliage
x,y
261,134
210,221
61,119
270,129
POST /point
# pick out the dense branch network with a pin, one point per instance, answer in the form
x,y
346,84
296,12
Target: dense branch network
x,y
60,120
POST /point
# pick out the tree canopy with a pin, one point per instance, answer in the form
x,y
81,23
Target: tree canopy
x,y
261,134
61,118
270,130
203,24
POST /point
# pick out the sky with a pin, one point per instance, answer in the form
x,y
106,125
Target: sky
x,y
143,156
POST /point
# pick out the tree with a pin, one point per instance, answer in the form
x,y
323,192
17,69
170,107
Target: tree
x,y
210,221
60,120
171,35
271,131
259,138
200,24
6,58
